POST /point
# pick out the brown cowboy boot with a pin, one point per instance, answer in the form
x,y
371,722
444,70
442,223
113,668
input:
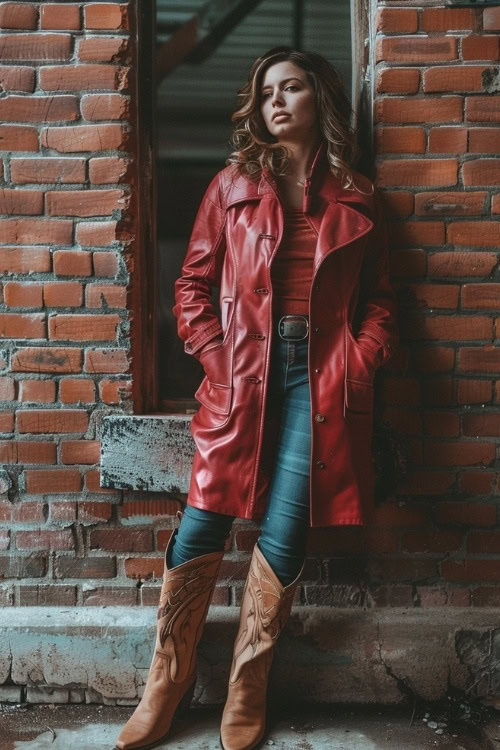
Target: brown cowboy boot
x,y
265,609
184,601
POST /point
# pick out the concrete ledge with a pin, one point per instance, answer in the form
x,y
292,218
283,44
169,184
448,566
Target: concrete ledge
x,y
102,655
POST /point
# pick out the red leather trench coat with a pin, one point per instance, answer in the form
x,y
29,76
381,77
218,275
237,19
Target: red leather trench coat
x,y
236,235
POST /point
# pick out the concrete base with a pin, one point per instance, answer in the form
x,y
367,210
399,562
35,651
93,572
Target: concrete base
x,y
102,655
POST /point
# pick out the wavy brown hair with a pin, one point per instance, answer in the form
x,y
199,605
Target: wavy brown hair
x,y
255,147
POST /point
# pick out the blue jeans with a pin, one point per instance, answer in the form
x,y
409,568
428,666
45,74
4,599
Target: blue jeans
x,y
285,525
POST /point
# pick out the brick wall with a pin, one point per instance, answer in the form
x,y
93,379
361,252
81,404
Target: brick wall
x,y
68,190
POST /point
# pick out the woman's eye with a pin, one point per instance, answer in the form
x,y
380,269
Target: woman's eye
x,y
292,88
266,95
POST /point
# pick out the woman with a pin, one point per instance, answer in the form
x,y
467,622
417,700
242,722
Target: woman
x,y
294,240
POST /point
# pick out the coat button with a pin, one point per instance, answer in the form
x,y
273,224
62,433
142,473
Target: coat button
x,y
319,417
316,369
317,330
316,287
320,464
261,291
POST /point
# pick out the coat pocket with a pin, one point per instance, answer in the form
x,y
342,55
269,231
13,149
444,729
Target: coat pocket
x,y
216,390
358,397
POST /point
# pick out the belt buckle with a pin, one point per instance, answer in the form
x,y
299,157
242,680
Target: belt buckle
x,y
293,327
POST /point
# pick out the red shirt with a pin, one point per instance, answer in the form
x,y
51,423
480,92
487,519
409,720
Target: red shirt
x,y
292,267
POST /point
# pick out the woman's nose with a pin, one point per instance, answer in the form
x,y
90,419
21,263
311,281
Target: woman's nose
x,y
277,98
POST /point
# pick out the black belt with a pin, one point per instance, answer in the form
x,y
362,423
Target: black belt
x,y
293,327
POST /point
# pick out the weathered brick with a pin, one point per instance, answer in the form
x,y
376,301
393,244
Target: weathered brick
x,y
17,566
412,110
474,391
476,482
417,233
105,106
491,19
6,421
21,202
450,204
42,391
83,327
106,16
83,202
441,423
24,259
18,138
105,295
45,359
485,425
94,512
398,81
416,49
85,138
122,540
60,16
106,361
459,453
470,233
74,390
109,596
444,140
471,570
398,203
7,389
105,264
36,47
36,231
481,172
18,326
430,296
39,421
451,327
463,78
46,170
400,140
103,49
62,294
484,140
15,108
415,172
17,78
482,108
23,294
480,47
481,296
143,568
64,511
479,359
114,391
390,20
72,263
106,170
435,541
149,508
89,567
45,481
470,514
93,483
448,19
96,234
461,264
43,539
25,512
18,15
80,451
46,596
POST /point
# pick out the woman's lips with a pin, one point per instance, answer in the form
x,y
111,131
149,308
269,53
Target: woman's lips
x,y
278,118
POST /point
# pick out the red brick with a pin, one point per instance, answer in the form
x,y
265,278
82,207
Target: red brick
x,y
105,264
159,507
404,391
46,596
413,110
398,81
417,233
444,140
459,454
94,512
40,421
469,514
434,358
106,360
45,359
481,172
476,482
416,49
47,170
471,570
108,596
390,20
484,140
24,260
486,596
80,451
480,47
41,539
401,140
84,202
108,170
450,204
63,294
480,359
115,391
103,49
78,138
484,542
401,569
34,47
90,567
495,204
408,263
6,421
72,390
487,425
451,327
22,202
423,542
482,108
162,539
430,596
461,264
34,231
63,512
43,391
449,19
438,392
483,234
17,326
144,568
23,294
398,203
414,172
22,512
18,16
105,295
474,391
122,540
425,482
96,234
83,327
31,566
93,483
8,452
17,78
439,296
18,138
441,424
106,16
72,263
57,16
7,389
481,296
17,108
40,481
105,106
391,514
36,452
454,79
407,421
491,19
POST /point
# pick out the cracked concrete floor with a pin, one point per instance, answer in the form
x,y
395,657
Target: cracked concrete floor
x,y
359,727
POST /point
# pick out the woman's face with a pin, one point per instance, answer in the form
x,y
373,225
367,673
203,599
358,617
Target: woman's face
x,y
288,103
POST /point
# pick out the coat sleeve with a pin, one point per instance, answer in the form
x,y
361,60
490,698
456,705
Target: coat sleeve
x,y
197,321
378,321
